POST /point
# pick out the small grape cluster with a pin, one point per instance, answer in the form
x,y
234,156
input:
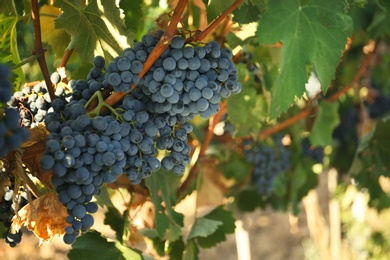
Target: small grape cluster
x,y
247,59
34,102
315,153
378,103
268,162
85,152
12,135
8,204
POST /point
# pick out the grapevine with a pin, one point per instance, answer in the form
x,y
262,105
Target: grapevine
x,y
169,121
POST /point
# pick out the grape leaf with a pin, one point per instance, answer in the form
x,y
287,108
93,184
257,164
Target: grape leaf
x,y
247,13
114,219
235,168
228,226
379,26
96,29
327,119
9,47
279,185
58,39
204,227
312,33
372,161
248,199
176,249
134,16
247,110
162,186
191,251
92,245
216,7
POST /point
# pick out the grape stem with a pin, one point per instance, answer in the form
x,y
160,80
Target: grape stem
x,y
154,55
100,105
65,58
27,60
39,49
200,35
209,136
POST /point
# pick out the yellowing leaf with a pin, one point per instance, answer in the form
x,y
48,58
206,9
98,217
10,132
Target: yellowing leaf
x,y
96,29
44,216
57,38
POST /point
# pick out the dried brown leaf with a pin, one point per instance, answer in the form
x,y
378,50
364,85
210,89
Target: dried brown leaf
x,y
44,216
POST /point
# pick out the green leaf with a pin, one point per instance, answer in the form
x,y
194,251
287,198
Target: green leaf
x,y
360,3
248,199
191,251
103,199
9,48
96,29
163,187
247,13
204,227
176,249
312,33
92,245
327,119
246,110
235,168
279,185
379,26
134,16
114,219
228,226
302,181
216,7
372,161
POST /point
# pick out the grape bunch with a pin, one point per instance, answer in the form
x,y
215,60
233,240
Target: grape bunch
x,y
86,150
12,135
247,59
8,204
377,102
268,162
315,153
34,102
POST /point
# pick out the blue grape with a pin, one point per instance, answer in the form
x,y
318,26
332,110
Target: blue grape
x,y
194,63
99,62
123,64
169,64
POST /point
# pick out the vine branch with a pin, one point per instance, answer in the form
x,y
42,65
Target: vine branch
x,y
39,49
200,35
65,58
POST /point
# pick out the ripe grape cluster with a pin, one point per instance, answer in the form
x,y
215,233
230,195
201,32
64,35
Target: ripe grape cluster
x,y
85,152
377,102
34,102
8,204
268,162
315,153
11,134
247,59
